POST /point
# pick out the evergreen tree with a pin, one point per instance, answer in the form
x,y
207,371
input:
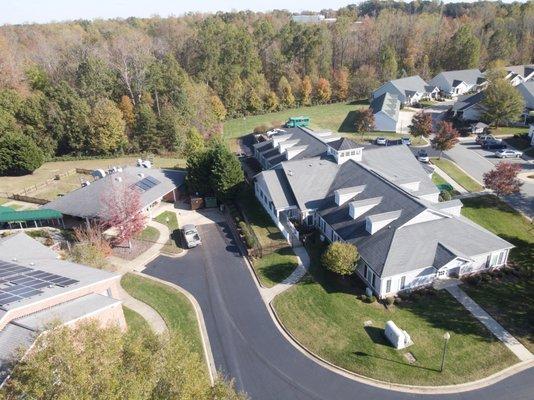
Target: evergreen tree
x,y
464,50
272,103
199,178
94,79
226,172
502,45
19,155
172,130
146,131
388,63
195,142
218,107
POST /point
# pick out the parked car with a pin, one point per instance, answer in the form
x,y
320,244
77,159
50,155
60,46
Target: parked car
x,y
482,138
406,141
508,153
381,141
191,236
493,144
422,156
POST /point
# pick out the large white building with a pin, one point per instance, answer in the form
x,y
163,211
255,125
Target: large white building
x,y
383,201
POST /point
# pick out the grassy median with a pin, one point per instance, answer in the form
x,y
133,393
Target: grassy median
x,y
457,174
172,246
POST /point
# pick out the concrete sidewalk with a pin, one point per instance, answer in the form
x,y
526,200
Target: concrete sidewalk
x,y
155,320
268,294
502,334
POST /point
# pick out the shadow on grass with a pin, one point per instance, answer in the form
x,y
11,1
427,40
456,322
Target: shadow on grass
x,y
347,126
363,354
279,265
377,335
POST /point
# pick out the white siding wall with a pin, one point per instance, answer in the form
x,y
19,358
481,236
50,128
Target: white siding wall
x,y
385,123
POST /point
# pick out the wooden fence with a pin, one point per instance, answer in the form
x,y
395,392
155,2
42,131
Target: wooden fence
x,y
23,194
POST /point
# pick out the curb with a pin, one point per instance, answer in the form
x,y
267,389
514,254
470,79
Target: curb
x,y
445,389
208,355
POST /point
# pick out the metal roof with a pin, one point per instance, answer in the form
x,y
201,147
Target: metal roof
x,y
29,215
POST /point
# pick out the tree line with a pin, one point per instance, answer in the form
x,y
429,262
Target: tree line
x,y
142,85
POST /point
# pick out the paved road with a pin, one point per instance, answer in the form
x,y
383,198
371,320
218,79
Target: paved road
x,y
477,161
247,345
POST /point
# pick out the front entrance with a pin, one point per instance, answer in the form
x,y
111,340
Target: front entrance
x,y
442,274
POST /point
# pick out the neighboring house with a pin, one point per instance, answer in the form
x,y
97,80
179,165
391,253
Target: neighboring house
x,y
527,91
311,18
386,205
153,185
456,83
531,134
38,289
409,90
469,107
386,109
517,74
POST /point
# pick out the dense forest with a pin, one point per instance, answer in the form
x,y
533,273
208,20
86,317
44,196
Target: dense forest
x,y
108,86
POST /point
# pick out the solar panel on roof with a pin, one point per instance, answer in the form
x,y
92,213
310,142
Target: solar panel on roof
x,y
17,282
147,183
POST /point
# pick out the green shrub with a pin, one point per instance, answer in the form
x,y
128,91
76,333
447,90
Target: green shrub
x,y
372,299
390,300
250,240
261,129
445,195
340,258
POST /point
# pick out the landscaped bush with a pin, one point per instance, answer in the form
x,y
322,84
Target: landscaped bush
x,y
261,129
445,195
368,299
250,241
390,300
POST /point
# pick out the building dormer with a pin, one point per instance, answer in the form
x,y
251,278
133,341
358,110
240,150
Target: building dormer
x,y
283,146
294,151
409,184
277,139
375,222
360,207
344,149
453,207
345,194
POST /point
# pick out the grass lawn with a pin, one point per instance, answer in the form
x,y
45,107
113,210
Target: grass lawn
x,y
325,316
173,244
457,174
136,323
149,234
266,231
438,179
273,268
50,169
172,305
508,130
509,301
336,117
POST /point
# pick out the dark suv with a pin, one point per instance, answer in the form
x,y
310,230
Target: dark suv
x,y
493,144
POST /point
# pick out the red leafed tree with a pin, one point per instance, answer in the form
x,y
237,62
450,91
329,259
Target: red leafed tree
x,y
503,179
421,125
121,210
446,137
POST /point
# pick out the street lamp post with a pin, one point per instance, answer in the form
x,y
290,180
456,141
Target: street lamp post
x,y
446,337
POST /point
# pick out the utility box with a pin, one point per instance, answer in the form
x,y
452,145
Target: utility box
x,y
196,203
210,202
397,337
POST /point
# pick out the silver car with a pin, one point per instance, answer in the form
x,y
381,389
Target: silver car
x,y
508,153
382,141
191,236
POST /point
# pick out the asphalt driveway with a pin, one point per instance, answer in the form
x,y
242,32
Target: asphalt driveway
x,y
248,347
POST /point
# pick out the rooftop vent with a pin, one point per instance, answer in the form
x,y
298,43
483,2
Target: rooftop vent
x,y
118,179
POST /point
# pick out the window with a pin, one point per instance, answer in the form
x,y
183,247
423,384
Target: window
x,y
353,152
388,286
365,270
373,280
403,282
501,258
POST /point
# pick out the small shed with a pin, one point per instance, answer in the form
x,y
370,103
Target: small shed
x,y
478,128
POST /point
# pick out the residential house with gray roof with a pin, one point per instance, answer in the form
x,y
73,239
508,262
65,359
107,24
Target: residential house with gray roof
x,y
386,109
456,83
527,91
385,204
37,289
517,74
409,90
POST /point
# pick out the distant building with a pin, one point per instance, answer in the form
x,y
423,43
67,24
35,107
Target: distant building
x,y
527,91
469,107
409,90
37,288
311,18
517,74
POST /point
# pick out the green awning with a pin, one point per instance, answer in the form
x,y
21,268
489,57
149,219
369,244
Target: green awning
x,y
4,209
29,215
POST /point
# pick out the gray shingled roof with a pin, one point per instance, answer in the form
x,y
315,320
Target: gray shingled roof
x,y
343,144
387,103
469,101
278,187
87,201
469,76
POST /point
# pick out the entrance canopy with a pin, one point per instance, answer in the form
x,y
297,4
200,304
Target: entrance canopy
x,y
7,214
